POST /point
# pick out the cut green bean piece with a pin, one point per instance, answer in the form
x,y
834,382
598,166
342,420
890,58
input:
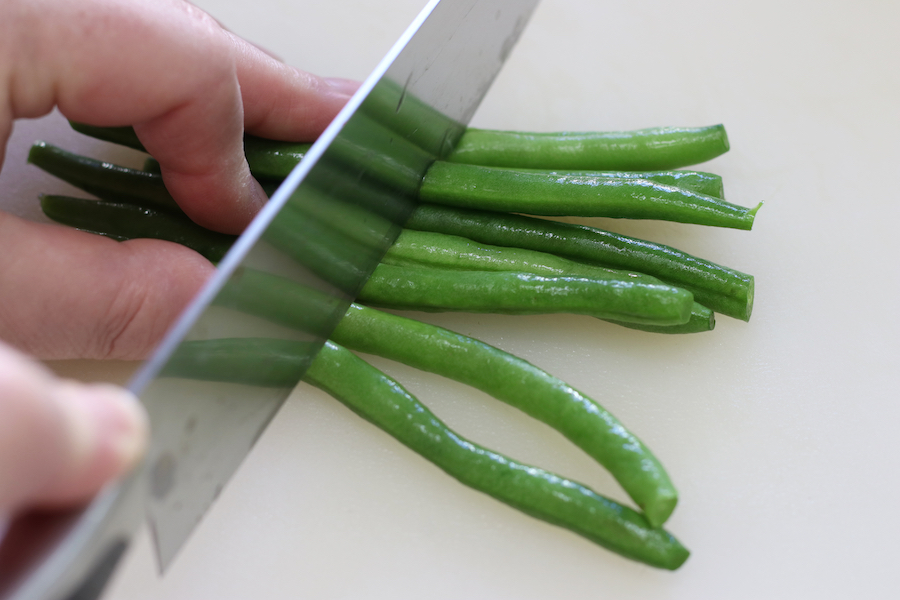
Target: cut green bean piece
x,y
719,288
640,150
545,193
382,401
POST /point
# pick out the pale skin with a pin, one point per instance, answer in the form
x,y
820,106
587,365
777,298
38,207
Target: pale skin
x,y
190,89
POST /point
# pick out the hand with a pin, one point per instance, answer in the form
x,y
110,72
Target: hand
x,y
190,89
61,440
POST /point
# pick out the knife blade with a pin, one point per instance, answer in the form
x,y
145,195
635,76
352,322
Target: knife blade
x,y
326,227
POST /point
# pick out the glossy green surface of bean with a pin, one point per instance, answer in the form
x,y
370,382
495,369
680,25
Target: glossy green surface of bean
x,y
520,384
724,290
469,361
506,292
640,150
549,194
700,182
382,401
438,250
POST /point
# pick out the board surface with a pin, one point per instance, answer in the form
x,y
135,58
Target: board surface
x,y
779,434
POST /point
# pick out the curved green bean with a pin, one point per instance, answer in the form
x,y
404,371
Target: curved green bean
x,y
520,384
469,361
640,150
382,401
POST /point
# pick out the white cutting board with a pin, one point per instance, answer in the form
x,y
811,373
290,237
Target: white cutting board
x,y
781,434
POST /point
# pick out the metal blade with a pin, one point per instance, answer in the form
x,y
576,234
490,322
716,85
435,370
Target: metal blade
x,y
326,228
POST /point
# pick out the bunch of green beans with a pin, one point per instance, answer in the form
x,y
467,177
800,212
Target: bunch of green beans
x,y
463,248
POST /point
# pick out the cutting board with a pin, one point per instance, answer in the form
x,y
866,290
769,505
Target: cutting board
x,y
780,433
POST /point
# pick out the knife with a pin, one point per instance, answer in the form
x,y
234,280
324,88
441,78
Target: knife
x,y
326,227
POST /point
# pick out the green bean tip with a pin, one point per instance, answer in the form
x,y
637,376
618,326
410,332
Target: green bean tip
x,y
662,508
35,148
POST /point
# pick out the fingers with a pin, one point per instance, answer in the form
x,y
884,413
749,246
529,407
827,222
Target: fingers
x,y
60,441
70,294
283,103
199,146
185,84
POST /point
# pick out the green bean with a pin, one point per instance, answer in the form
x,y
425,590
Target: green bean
x,y
708,184
438,250
145,188
151,165
127,221
543,193
641,150
268,159
520,384
464,359
635,300
131,186
723,290
274,160
438,290
411,288
249,361
382,401
701,319
396,163
105,180
331,253
124,136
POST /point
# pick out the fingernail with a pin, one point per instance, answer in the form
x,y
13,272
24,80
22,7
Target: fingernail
x,y
343,86
108,427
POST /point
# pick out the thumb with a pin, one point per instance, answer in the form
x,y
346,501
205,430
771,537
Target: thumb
x,y
60,441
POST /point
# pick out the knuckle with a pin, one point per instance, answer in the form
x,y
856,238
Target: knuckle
x,y
115,333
